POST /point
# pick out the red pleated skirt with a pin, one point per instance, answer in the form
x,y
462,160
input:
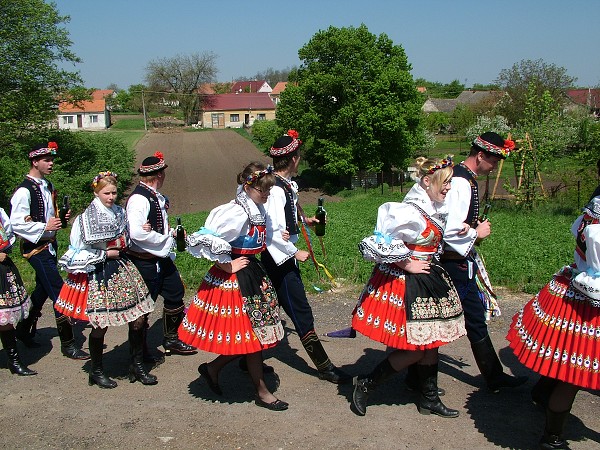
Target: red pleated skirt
x,y
408,311
557,333
217,320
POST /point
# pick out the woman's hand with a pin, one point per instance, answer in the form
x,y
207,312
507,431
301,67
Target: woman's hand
x,y
147,227
464,230
414,265
3,257
113,254
285,235
235,265
301,255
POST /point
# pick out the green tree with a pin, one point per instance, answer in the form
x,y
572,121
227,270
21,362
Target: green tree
x,y
354,101
517,81
34,48
180,77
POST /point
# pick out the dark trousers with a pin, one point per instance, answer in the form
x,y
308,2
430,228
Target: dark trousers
x,y
290,293
468,292
162,278
48,281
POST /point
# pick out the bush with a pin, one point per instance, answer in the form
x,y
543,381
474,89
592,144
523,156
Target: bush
x,y
266,132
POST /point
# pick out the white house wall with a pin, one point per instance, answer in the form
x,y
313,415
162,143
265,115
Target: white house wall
x,y
86,121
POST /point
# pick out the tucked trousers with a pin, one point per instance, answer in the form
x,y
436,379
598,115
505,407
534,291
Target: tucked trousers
x,y
290,292
162,278
466,286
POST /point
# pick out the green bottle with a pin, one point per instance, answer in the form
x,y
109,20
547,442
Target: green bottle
x,y
321,216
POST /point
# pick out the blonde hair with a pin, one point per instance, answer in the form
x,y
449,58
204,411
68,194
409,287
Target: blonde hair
x,y
437,169
103,182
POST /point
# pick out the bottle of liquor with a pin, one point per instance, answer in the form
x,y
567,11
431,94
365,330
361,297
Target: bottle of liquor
x,y
321,216
180,236
62,212
486,212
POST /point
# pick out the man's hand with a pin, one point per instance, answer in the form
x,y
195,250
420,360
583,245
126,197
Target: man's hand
x,y
3,257
484,229
301,255
53,224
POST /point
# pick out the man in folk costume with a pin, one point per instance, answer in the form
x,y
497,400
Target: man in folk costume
x,y
151,251
282,256
463,264
33,218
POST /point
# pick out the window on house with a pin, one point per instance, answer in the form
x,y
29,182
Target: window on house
x,y
261,117
94,118
234,117
67,119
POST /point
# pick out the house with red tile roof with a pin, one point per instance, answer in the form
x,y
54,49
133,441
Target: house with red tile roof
x,y
251,87
86,114
277,90
586,98
236,110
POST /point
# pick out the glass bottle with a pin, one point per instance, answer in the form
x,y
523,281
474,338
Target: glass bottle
x,y
486,212
62,212
180,236
321,216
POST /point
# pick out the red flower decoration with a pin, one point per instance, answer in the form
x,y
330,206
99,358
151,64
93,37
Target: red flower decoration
x,y
159,155
293,134
510,145
52,145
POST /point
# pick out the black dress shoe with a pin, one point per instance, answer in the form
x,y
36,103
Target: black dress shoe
x,y
243,364
213,385
277,405
334,375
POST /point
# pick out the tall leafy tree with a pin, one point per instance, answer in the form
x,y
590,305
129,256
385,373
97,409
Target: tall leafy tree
x,y
354,101
34,51
527,77
179,78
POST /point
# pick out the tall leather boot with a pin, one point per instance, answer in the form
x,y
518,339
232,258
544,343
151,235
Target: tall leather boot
x,y
365,384
326,370
491,367
97,375
171,343
412,380
137,371
9,342
27,328
149,357
429,401
553,433
67,340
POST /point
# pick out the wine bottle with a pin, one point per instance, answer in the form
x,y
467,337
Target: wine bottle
x,y
321,216
486,212
62,213
180,236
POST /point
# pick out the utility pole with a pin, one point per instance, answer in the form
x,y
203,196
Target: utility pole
x,y
144,111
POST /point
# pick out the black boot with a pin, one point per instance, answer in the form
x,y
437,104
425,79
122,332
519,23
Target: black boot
x,y
491,367
412,380
137,371
365,384
97,375
67,340
15,365
429,402
540,394
171,320
553,433
27,328
149,358
318,355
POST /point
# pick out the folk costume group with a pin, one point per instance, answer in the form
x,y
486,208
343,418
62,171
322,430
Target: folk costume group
x,y
428,287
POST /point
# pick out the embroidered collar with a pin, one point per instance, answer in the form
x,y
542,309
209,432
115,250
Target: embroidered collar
x,y
473,174
593,208
101,224
418,196
255,213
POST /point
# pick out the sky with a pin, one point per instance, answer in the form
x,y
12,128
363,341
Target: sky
x,y
471,41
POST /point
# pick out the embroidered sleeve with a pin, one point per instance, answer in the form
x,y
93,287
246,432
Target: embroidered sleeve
x,y
80,257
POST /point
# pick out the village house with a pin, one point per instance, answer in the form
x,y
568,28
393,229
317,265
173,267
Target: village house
x,y
236,110
86,114
277,90
589,99
249,87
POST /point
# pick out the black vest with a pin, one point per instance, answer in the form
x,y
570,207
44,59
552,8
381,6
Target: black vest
x,y
37,209
462,172
154,215
291,221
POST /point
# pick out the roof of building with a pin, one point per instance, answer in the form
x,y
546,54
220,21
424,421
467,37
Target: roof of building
x,y
279,87
96,104
587,97
238,102
251,86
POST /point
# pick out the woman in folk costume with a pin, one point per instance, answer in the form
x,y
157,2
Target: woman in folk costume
x,y
103,287
14,301
557,333
409,303
235,311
